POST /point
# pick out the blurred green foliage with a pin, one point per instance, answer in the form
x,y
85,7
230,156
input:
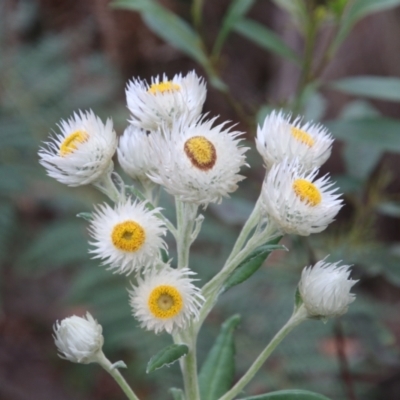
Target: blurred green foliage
x,y
41,83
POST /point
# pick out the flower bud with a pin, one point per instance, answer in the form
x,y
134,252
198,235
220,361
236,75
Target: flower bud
x,y
79,339
325,289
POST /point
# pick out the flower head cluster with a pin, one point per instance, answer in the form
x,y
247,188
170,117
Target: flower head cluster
x,y
296,202
82,153
166,299
325,289
79,339
127,237
164,100
279,139
199,163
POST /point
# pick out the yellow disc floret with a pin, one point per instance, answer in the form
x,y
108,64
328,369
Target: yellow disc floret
x,y
201,152
128,236
302,136
307,192
165,301
71,142
163,87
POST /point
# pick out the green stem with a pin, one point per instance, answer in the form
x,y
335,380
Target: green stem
x,y
185,218
106,364
197,8
306,70
106,185
189,365
298,316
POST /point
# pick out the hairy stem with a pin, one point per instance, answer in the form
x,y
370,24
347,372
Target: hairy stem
x,y
106,364
298,316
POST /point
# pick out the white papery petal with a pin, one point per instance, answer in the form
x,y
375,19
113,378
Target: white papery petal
x,y
181,281
325,289
91,159
79,339
276,142
182,178
286,209
149,111
104,221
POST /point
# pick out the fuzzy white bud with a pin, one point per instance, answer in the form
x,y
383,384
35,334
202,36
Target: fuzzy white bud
x,y
325,289
79,339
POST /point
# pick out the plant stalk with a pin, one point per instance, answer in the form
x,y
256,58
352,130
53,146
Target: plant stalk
x,y
298,316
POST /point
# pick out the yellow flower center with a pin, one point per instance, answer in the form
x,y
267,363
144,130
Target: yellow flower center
x,y
128,236
307,192
201,152
302,136
71,142
163,87
165,302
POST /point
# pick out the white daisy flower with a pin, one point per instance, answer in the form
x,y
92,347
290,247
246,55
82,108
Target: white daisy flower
x,y
297,202
166,299
280,139
128,237
79,339
198,163
134,154
83,151
325,289
165,100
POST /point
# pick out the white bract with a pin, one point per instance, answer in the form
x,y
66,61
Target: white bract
x,y
134,154
280,139
325,289
165,100
198,163
128,237
166,299
83,152
79,339
296,202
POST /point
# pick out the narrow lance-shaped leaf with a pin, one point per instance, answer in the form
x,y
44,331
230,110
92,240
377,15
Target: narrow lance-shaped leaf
x,y
236,10
252,263
167,356
168,26
177,394
374,87
294,394
360,9
265,38
218,370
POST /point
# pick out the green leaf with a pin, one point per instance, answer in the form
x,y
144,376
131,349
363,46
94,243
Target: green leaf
x,y
218,370
177,394
293,394
252,263
265,38
374,87
236,10
358,10
85,215
390,208
167,356
382,133
168,26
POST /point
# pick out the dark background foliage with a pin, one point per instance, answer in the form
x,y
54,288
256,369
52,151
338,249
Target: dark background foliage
x,y
58,56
